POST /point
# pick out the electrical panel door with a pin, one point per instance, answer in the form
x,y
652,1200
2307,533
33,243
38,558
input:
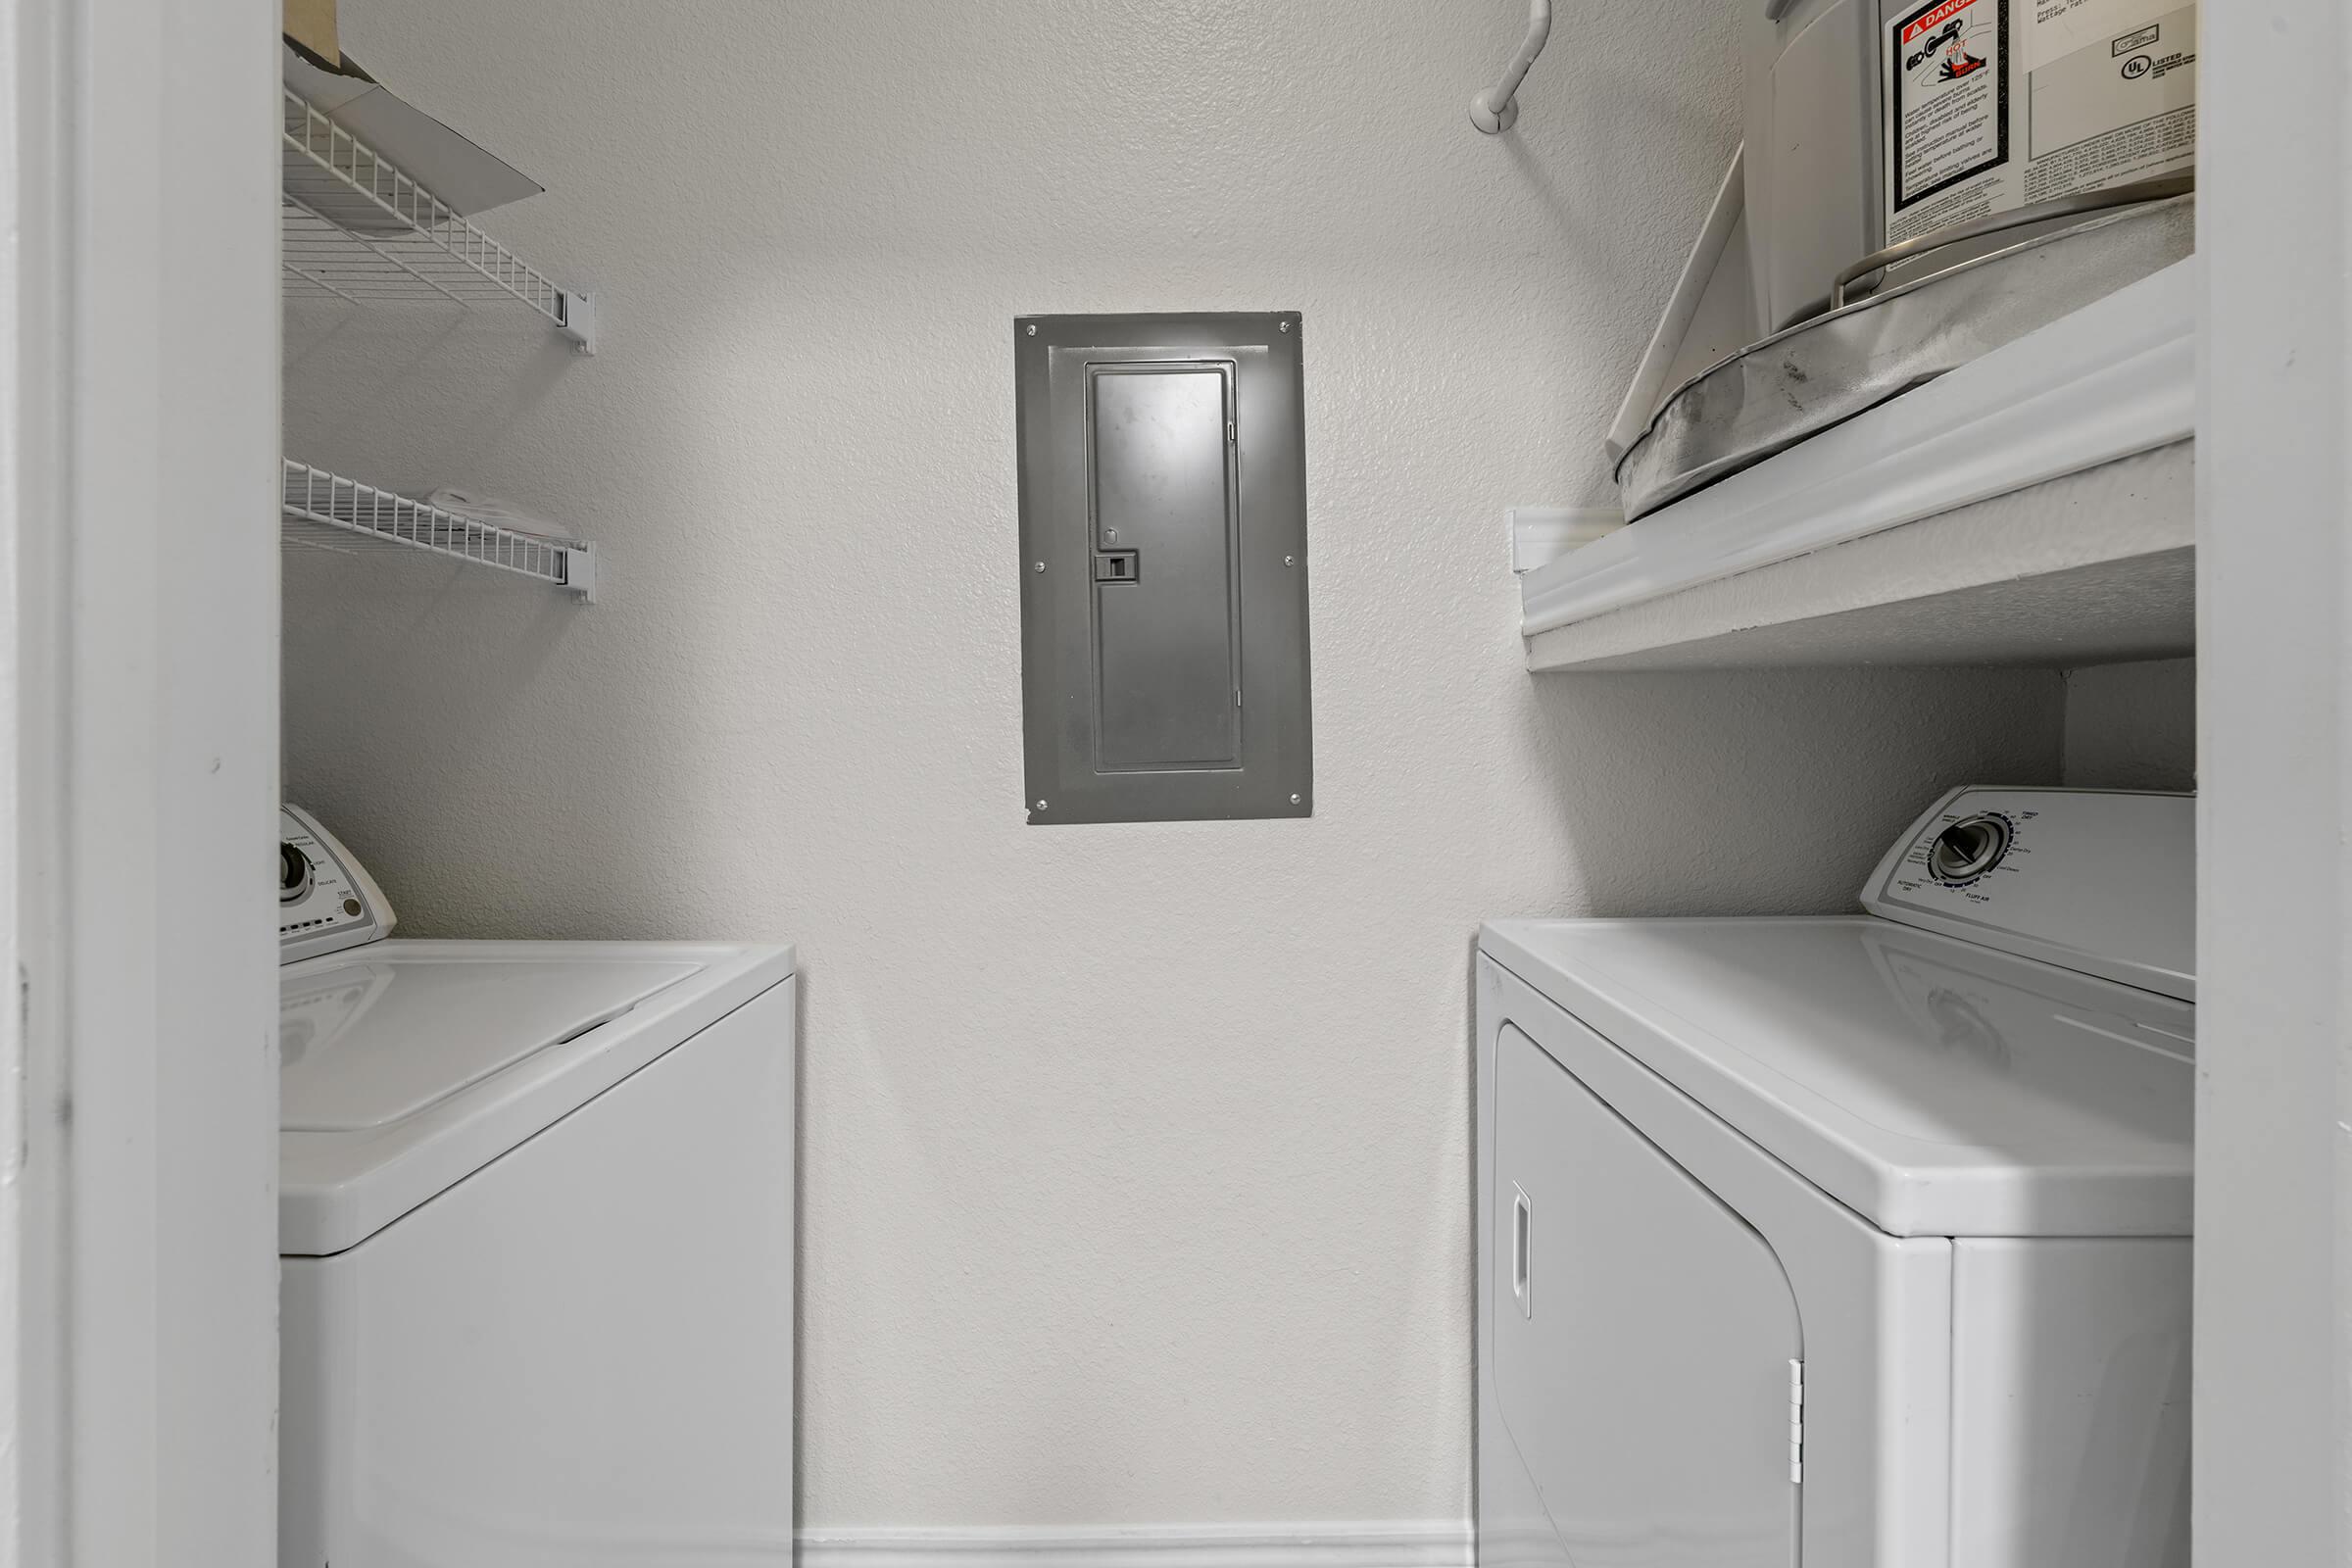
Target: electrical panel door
x,y
1164,568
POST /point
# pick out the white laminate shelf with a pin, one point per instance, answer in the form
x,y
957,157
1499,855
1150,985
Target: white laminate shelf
x,y
326,512
354,228
2033,506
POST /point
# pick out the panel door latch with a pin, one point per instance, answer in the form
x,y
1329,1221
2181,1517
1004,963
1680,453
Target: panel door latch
x,y
1115,566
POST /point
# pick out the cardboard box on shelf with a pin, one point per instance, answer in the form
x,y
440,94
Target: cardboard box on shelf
x,y
463,175
311,24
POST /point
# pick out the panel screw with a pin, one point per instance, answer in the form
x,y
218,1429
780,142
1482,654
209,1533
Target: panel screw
x,y
1288,559
1041,805
1033,330
1285,327
1294,800
1037,566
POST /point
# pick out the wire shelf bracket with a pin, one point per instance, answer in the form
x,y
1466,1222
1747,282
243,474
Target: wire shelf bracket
x,y
327,512
354,228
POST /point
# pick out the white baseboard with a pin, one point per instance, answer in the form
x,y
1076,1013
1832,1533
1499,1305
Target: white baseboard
x,y
1383,1544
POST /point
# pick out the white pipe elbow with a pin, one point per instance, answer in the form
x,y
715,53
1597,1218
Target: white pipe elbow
x,y
1498,108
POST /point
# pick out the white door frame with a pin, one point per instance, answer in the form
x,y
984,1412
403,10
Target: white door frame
x,y
2274,832
138,716
138,697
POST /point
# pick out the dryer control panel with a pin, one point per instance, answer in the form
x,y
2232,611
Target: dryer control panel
x,y
325,900
2098,881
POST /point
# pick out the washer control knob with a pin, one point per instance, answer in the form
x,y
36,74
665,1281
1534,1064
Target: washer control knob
x,y
293,873
1970,848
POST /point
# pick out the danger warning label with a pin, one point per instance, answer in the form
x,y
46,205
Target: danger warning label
x,y
1950,97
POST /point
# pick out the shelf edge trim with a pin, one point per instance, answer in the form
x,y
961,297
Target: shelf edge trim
x,y
2116,378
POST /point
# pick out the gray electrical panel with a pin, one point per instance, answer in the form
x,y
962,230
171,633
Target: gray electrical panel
x,y
1164,568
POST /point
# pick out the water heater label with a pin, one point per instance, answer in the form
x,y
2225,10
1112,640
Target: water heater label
x,y
2090,93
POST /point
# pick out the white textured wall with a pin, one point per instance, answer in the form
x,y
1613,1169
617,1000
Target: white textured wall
x,y
1135,1159
2132,726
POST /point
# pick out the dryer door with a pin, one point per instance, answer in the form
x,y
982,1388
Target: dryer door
x,y
1643,1334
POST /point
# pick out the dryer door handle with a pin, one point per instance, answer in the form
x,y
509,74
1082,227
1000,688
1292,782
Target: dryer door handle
x,y
1523,1242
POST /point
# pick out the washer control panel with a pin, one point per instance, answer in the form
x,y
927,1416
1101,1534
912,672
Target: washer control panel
x,y
325,900
2101,881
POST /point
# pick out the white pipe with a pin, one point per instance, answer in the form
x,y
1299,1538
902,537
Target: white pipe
x,y
1498,108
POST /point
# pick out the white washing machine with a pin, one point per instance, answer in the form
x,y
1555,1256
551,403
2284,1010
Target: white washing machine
x,y
1856,1242
536,1222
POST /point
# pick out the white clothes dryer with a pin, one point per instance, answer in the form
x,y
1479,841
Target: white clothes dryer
x,y
535,1219
1858,1242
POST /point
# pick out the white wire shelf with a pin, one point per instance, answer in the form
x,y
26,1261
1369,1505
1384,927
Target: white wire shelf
x,y
326,512
354,228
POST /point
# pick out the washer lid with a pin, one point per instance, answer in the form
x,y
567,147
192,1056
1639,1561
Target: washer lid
x,y
371,1039
1936,1087
409,1066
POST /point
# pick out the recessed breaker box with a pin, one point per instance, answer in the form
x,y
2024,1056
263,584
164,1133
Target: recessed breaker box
x,y
1164,568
